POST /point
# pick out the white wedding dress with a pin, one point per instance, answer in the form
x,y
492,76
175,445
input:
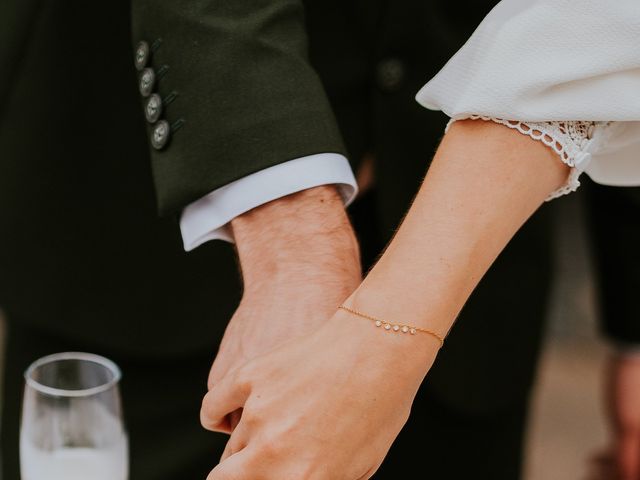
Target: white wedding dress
x,y
565,72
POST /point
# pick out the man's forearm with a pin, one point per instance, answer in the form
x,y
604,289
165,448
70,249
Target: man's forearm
x,y
301,241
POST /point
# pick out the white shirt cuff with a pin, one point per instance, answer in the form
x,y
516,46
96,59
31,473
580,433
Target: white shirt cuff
x,y
208,218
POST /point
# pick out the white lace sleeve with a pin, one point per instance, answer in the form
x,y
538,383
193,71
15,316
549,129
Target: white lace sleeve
x,y
571,140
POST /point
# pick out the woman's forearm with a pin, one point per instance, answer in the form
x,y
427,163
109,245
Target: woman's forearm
x,y
330,404
484,183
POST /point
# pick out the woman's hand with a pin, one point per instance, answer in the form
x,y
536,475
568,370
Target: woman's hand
x,y
327,406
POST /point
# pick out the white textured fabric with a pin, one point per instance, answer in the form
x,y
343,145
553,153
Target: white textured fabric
x,y
208,218
572,141
554,60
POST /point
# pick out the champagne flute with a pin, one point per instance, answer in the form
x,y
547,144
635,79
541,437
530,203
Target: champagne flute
x,y
72,426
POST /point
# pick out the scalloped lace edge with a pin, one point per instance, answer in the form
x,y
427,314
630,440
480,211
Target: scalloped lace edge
x,y
574,153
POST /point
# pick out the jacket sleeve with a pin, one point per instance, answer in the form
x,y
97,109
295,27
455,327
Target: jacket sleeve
x,y
227,90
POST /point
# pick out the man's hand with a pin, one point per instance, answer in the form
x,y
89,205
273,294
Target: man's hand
x,y
623,392
299,260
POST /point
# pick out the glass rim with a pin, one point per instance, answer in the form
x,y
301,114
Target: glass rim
x,y
81,356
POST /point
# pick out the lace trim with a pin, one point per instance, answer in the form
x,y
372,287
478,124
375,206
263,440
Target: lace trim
x,y
571,140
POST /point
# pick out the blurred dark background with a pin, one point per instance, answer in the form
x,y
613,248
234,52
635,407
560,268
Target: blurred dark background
x,y
567,424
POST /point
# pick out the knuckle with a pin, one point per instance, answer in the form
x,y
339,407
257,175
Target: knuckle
x,y
204,409
302,472
247,371
270,450
235,445
214,377
250,417
243,377
206,419
296,471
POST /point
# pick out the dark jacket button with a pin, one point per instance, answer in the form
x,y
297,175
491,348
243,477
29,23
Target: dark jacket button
x,y
390,74
147,81
153,108
142,55
160,134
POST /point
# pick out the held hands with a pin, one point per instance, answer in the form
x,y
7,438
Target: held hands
x,y
326,406
329,405
302,396
299,259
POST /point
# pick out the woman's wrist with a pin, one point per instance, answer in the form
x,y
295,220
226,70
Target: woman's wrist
x,y
407,355
431,314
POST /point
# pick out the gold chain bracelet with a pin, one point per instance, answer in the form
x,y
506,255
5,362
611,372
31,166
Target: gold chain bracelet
x,y
393,327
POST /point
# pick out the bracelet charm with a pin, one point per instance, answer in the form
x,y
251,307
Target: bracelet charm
x,y
393,327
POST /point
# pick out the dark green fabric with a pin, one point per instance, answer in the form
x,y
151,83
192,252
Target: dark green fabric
x,y
83,252
248,95
16,20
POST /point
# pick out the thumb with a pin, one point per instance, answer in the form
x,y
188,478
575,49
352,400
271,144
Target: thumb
x,y
227,396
